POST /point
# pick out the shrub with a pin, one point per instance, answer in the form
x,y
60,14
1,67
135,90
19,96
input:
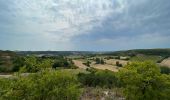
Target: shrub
x,y
118,64
143,81
165,70
99,61
18,62
44,85
105,79
87,63
117,57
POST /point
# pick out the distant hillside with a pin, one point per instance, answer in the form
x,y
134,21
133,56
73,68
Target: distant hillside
x,y
54,53
157,52
7,53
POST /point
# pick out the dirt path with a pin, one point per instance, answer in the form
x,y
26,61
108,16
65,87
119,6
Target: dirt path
x,y
79,64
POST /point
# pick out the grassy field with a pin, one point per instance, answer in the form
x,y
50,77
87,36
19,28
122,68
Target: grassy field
x,y
142,58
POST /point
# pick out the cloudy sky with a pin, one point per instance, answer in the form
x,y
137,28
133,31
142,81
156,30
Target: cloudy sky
x,y
95,25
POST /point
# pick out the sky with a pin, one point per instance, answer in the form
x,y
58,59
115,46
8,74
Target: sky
x,y
84,25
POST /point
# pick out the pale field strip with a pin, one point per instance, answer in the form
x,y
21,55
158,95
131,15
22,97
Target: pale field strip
x,y
113,62
166,62
105,67
110,65
80,64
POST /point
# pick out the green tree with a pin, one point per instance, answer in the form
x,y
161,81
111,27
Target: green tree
x,y
102,61
18,62
97,60
31,64
143,81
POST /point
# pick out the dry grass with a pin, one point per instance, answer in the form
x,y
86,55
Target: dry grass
x,y
110,64
113,62
166,62
105,66
79,64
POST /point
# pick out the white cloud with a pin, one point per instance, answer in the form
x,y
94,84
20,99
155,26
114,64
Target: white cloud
x,y
149,40
61,19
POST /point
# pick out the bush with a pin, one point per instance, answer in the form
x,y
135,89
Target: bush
x,y
117,57
63,62
143,81
3,69
165,70
41,86
118,64
87,63
104,79
18,62
99,61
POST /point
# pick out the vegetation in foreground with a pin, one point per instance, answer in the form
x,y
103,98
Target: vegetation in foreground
x,y
136,81
44,85
51,78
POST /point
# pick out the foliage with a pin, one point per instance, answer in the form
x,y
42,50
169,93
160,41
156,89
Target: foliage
x,y
106,79
33,64
118,64
63,62
87,63
142,58
117,57
165,70
18,62
4,69
143,81
99,61
45,85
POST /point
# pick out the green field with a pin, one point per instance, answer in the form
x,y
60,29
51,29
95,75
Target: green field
x,y
142,58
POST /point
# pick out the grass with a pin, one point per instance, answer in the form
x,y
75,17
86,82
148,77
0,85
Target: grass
x,y
142,58
75,71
